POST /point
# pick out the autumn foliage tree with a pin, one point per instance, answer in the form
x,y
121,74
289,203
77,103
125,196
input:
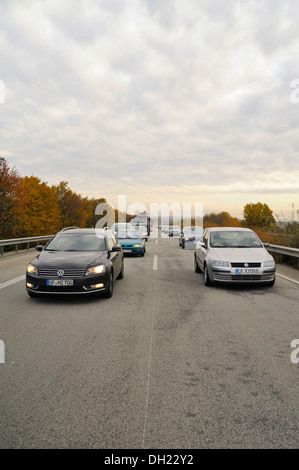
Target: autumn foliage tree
x,y
223,219
9,180
258,215
36,210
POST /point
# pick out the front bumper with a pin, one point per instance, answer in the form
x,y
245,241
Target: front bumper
x,y
262,275
81,285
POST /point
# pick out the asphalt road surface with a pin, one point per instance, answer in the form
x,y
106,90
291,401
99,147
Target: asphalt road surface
x,y
166,363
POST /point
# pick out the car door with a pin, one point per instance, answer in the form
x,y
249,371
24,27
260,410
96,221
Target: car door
x,y
201,251
115,256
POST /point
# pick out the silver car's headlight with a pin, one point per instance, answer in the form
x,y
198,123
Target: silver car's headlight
x,y
96,269
32,269
269,264
217,262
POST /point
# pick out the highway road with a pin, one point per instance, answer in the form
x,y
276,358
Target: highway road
x,y
166,363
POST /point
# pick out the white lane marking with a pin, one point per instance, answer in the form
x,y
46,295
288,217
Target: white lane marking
x,y
156,242
288,278
155,263
12,281
149,362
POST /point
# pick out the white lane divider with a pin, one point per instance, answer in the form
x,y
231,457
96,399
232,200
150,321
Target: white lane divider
x,y
155,263
12,281
288,278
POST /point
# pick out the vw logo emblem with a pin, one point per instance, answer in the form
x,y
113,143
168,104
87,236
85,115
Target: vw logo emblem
x,y
60,272
246,265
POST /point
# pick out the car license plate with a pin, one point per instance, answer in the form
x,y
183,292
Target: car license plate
x,y
60,282
247,271
127,251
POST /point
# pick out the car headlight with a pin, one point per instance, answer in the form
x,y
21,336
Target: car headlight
x,y
32,269
217,262
138,246
96,269
269,264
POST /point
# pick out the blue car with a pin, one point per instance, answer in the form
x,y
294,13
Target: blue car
x,y
131,242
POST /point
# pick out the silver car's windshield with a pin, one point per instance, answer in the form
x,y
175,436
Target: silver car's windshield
x,y
129,234
234,239
77,242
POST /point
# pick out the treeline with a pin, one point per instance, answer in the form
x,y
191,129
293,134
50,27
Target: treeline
x,y
31,207
259,217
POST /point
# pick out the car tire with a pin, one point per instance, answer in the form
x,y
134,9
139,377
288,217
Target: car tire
x,y
183,245
196,267
122,272
109,293
270,284
207,279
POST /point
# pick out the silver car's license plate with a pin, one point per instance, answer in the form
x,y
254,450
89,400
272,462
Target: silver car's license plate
x,y
60,282
247,271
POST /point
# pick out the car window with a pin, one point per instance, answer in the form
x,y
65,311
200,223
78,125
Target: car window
x,y
234,239
128,234
77,242
205,237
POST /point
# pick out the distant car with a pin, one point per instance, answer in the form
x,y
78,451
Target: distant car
x,y
174,231
76,261
142,229
121,226
190,235
236,255
131,242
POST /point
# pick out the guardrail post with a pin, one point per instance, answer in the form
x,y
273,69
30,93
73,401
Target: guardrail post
x,y
16,248
28,246
1,250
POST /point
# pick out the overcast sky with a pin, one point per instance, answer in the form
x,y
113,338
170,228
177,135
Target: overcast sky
x,y
161,100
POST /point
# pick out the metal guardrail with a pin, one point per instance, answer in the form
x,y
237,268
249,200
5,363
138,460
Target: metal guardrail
x,y
21,241
284,250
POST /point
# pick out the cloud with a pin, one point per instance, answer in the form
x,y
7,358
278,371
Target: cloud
x,y
152,97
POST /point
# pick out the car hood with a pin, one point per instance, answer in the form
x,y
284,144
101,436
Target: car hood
x,y
69,259
241,254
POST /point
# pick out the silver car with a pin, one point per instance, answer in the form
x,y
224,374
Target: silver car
x,y
231,254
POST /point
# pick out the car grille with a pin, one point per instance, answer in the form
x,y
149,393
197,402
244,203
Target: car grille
x,y
73,273
127,246
243,277
249,265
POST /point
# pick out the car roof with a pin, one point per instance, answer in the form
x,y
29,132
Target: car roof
x,y
84,230
224,229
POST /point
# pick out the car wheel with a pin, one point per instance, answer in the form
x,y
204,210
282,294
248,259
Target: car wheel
x,y
109,291
122,272
270,284
206,276
183,245
196,267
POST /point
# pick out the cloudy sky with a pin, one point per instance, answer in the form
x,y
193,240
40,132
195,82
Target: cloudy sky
x,y
160,100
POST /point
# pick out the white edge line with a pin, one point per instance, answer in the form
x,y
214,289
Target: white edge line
x,y
155,263
12,281
288,278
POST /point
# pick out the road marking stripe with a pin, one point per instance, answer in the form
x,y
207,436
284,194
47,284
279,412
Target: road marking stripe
x,y
12,281
155,263
288,278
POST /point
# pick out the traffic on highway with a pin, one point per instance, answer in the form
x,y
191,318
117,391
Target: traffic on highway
x,y
164,363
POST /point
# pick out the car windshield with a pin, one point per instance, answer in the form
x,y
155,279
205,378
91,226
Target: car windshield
x,y
128,234
77,242
117,227
193,230
234,239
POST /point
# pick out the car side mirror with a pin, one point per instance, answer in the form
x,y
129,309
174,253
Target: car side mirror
x,y
116,248
39,247
201,245
266,244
